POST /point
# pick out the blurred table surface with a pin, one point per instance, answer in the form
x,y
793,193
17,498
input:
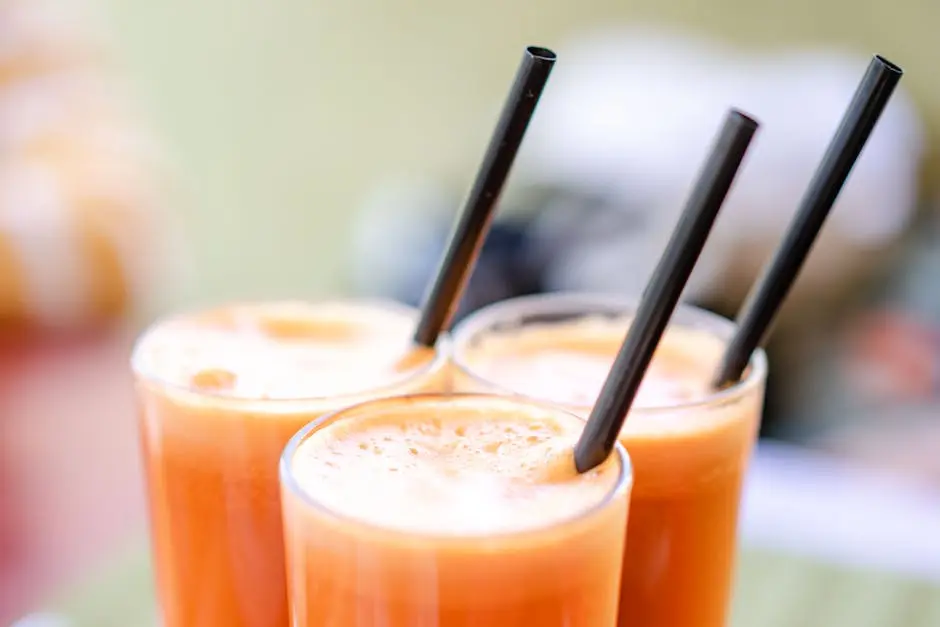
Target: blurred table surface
x,y
824,544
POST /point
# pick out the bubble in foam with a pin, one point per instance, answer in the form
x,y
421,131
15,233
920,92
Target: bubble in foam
x,y
214,379
287,325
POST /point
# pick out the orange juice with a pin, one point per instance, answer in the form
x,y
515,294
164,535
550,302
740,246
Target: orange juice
x,y
451,511
221,392
689,444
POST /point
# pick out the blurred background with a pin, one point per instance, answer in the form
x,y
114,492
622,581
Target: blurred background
x,y
160,155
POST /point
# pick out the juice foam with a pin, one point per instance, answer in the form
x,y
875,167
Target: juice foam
x,y
283,350
461,469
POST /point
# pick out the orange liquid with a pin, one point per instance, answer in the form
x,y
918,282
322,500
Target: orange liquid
x,y
689,454
451,511
221,393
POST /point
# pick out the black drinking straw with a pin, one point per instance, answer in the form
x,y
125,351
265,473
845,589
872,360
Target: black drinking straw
x,y
764,300
444,294
663,291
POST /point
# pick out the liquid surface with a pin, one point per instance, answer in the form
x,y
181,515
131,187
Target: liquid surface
x,y
568,362
451,467
283,350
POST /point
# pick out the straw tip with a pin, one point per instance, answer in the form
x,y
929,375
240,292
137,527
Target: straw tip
x,y
541,53
888,65
744,119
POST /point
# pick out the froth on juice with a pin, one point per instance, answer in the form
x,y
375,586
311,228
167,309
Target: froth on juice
x,y
451,510
689,444
220,394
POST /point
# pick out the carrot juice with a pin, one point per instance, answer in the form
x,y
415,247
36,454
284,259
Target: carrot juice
x,y
220,393
451,511
689,444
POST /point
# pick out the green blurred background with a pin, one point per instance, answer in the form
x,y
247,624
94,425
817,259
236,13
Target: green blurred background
x,y
280,115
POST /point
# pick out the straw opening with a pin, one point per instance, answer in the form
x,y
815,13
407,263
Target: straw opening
x,y
541,53
745,119
889,65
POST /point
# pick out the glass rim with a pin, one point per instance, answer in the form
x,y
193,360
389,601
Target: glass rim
x,y
289,482
574,304
143,375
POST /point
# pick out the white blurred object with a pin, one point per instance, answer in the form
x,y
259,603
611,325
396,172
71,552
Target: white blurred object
x,y
42,620
634,112
802,502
